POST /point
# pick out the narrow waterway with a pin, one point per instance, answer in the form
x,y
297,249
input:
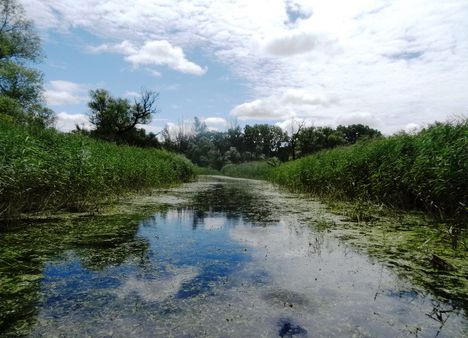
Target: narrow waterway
x,y
214,258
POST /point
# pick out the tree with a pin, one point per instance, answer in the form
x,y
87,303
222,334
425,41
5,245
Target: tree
x,y
294,136
313,139
20,45
116,118
264,140
18,41
355,132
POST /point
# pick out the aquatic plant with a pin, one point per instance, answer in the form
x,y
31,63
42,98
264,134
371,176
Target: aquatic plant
x,y
46,169
426,171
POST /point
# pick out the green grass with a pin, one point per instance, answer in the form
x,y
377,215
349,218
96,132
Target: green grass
x,y
427,171
48,170
259,170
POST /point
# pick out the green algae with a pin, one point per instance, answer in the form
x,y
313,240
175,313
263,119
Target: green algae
x,y
432,255
99,242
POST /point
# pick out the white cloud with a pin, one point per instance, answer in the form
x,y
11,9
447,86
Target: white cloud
x,y
67,122
401,61
412,128
292,125
290,103
153,53
184,127
153,72
292,44
131,93
60,92
359,118
215,121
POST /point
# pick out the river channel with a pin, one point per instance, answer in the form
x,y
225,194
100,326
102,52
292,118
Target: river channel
x,y
214,258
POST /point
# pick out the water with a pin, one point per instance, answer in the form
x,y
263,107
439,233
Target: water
x,y
218,258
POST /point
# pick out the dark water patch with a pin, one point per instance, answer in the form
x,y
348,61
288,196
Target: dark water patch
x,y
290,329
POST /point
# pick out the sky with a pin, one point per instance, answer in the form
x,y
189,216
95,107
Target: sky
x,y
394,65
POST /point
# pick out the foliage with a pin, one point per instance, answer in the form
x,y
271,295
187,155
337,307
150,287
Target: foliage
x,y
206,171
116,119
427,171
20,85
355,132
256,143
313,139
259,170
43,169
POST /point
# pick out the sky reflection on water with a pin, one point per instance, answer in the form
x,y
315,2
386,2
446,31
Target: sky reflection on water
x,y
232,258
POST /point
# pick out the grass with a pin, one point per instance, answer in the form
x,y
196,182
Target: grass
x,y
258,170
427,171
48,170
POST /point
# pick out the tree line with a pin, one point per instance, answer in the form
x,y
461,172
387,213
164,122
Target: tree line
x,y
210,148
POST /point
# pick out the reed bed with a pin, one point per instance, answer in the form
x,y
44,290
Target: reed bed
x,y
426,171
49,170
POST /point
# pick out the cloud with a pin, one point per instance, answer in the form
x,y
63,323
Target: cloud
x,y
291,102
365,118
153,53
401,61
67,122
60,92
411,128
292,125
292,44
215,121
184,127
131,93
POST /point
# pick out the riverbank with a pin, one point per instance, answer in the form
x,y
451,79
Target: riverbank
x,y
427,171
48,170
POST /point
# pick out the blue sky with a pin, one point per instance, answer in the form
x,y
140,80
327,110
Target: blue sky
x,y
181,96
393,65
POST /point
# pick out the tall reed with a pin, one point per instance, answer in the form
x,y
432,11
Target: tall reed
x,y
46,169
426,171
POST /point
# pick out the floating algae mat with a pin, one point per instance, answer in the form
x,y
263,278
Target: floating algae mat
x,y
225,258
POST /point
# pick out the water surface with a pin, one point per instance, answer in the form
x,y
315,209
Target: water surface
x,y
215,258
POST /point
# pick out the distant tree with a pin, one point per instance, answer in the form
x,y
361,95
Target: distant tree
x,y
313,139
20,45
293,136
264,140
235,138
116,119
199,127
354,132
232,156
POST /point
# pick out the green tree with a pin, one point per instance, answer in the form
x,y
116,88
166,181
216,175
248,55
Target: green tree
x,y
19,47
355,132
313,139
116,119
264,140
